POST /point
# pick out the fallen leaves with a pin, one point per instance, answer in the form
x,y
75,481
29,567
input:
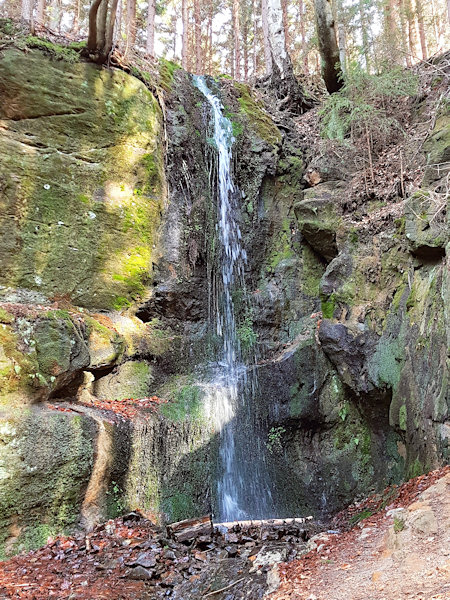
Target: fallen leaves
x,y
126,409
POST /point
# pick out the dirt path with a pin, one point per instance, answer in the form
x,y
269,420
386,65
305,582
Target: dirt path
x,y
401,552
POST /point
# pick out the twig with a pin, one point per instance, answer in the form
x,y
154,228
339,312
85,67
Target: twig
x,y
227,587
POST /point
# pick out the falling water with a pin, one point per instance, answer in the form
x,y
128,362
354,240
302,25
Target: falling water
x,y
242,488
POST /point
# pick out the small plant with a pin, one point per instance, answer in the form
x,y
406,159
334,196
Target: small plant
x,y
399,524
115,496
365,514
274,436
343,412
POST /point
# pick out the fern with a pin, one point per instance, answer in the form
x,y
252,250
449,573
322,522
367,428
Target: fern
x,y
362,103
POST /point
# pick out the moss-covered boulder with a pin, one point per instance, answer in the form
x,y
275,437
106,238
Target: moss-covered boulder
x,y
45,462
83,180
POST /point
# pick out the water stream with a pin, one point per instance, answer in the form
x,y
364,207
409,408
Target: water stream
x,y
242,486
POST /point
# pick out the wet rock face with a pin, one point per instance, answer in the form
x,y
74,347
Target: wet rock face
x,y
347,323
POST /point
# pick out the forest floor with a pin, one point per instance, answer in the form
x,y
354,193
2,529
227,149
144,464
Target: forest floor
x,y
392,546
399,552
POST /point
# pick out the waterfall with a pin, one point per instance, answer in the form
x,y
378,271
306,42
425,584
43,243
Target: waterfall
x,y
242,486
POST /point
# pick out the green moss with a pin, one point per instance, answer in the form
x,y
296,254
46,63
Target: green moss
x,y
5,316
80,222
257,118
291,169
179,505
67,53
386,364
167,71
402,417
327,306
282,247
416,469
48,458
135,272
398,297
120,302
184,403
313,270
246,334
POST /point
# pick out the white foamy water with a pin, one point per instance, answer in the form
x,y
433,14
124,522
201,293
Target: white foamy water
x,y
242,489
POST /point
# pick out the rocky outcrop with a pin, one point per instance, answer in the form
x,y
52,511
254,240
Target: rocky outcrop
x,y
107,288
83,181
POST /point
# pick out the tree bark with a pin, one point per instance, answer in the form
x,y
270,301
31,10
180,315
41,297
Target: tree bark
x,y
328,47
265,27
284,12
92,35
27,10
185,41
131,24
364,33
410,18
404,32
40,12
283,80
276,37
111,21
236,40
198,37
76,17
301,11
422,36
150,46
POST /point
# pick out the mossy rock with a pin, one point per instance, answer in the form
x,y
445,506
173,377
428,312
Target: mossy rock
x,y
45,461
426,225
84,181
256,118
131,379
318,217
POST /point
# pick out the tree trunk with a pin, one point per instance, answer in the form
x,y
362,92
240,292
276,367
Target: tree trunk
x,y
76,18
198,37
40,13
236,40
92,36
255,37
265,27
391,30
284,12
245,35
410,18
277,40
283,80
131,24
102,18
328,47
364,33
422,37
111,21
404,32
27,10
151,28
55,17
185,41
342,48
301,11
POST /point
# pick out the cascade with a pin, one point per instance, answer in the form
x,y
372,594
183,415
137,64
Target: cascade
x,y
243,489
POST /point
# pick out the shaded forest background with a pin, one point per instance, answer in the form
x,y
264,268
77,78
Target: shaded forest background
x,y
232,37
